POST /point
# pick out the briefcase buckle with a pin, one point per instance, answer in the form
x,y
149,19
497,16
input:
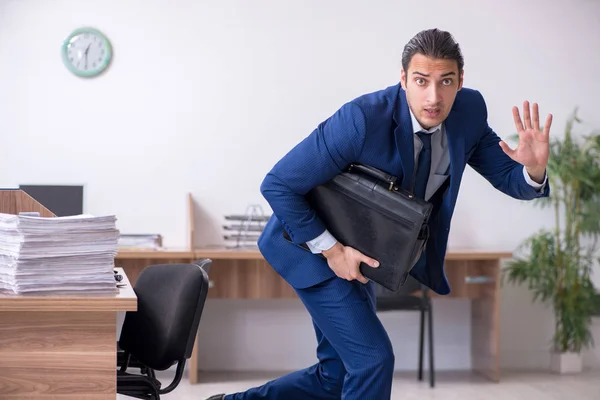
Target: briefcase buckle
x,y
395,189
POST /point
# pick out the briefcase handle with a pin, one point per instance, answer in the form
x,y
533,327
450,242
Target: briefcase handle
x,y
375,173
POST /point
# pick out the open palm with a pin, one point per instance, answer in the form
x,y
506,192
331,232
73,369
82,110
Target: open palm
x,y
533,148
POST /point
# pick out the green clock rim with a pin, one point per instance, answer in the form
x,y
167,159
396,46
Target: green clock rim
x,y
100,68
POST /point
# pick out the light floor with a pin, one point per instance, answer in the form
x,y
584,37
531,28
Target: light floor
x,y
449,386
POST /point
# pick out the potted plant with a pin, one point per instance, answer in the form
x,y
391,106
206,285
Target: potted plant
x,y
556,264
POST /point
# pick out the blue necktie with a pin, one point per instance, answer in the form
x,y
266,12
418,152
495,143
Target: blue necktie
x,y
423,165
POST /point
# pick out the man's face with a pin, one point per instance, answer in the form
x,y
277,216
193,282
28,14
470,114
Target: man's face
x,y
431,86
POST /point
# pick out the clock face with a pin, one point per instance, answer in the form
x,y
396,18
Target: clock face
x,y
86,52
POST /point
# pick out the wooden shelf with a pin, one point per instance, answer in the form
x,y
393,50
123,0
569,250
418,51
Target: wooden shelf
x,y
126,254
222,253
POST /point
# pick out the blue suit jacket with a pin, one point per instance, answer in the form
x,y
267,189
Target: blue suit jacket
x,y
376,129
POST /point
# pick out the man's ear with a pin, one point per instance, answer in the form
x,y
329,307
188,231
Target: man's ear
x,y
403,79
462,79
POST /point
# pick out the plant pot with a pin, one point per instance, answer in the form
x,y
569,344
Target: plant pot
x,y
566,363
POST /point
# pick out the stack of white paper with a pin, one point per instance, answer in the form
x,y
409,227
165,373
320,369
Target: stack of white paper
x,y
59,255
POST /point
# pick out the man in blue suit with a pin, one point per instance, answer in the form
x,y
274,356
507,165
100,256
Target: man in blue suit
x,y
426,129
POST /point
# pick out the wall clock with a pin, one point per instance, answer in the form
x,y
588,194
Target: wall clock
x,y
86,52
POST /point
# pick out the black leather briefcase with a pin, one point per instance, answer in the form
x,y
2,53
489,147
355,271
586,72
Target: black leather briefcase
x,y
364,208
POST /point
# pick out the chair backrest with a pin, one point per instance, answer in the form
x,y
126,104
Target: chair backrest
x,y
171,298
204,263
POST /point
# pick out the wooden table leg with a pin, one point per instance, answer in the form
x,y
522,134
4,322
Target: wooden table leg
x,y
58,355
485,319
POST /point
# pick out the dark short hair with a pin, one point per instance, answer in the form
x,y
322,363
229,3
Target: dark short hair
x,y
433,43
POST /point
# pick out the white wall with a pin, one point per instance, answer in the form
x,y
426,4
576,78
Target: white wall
x,y
204,97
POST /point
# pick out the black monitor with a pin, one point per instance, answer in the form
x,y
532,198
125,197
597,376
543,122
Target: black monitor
x,y
62,200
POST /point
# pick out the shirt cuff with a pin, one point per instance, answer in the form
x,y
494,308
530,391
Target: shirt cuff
x,y
532,183
324,241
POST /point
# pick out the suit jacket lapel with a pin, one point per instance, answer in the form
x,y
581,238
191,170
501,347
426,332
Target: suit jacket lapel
x,y
404,136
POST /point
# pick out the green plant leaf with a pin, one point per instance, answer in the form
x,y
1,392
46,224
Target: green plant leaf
x,y
555,264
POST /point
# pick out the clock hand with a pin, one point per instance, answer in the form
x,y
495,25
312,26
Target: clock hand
x,y
87,49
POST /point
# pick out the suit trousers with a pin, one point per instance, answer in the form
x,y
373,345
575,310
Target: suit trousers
x,y
354,352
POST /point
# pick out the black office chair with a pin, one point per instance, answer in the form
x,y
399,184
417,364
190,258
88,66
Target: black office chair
x,y
406,299
162,331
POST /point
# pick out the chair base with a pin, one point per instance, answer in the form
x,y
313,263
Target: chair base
x,y
138,386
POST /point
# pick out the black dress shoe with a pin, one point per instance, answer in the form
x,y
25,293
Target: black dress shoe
x,y
217,397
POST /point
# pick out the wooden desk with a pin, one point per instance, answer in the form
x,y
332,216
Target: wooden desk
x,y
61,347
244,274
473,275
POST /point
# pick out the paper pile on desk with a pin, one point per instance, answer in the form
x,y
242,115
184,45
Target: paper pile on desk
x,y
59,255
